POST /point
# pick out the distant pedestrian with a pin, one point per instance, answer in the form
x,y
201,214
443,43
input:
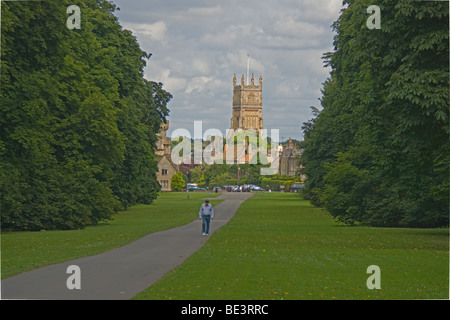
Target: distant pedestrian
x,y
206,213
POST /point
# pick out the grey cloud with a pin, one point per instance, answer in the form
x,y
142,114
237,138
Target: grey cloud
x,y
198,45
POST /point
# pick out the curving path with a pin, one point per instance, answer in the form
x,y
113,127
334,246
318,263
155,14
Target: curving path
x,y
123,272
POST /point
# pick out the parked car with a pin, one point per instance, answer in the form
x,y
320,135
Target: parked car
x,y
257,188
296,187
194,188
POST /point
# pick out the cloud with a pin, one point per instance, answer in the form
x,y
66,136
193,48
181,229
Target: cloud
x,y
298,29
204,11
197,84
198,45
232,35
171,84
156,31
317,11
200,66
237,60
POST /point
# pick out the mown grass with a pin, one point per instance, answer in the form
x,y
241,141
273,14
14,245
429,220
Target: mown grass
x,y
23,251
280,247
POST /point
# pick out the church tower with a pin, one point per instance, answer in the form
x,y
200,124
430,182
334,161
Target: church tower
x,y
247,105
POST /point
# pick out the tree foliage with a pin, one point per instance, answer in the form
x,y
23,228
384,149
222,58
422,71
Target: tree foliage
x,y
178,182
378,152
78,121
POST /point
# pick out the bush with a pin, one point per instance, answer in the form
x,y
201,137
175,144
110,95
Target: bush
x,y
178,182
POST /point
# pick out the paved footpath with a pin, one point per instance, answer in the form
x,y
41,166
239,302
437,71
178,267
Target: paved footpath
x,y
121,273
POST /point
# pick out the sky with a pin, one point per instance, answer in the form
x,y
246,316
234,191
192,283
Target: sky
x,y
198,45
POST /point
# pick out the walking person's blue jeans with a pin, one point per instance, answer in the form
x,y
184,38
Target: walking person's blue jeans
x,y
205,223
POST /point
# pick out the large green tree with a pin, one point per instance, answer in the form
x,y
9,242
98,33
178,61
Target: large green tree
x,y
78,121
378,152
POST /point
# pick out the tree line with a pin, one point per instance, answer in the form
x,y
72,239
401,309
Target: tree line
x,y
377,153
220,175
78,120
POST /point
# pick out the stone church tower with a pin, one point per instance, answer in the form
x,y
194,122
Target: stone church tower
x,y
247,105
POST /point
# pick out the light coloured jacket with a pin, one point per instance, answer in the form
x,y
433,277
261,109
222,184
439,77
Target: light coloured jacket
x,y
206,211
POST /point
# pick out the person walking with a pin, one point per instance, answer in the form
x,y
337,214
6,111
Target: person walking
x,y
205,214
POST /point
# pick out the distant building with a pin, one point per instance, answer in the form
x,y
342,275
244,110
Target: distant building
x,y
163,143
166,168
186,167
289,159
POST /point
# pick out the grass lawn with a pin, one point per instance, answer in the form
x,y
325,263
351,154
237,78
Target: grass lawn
x,y
280,247
23,251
